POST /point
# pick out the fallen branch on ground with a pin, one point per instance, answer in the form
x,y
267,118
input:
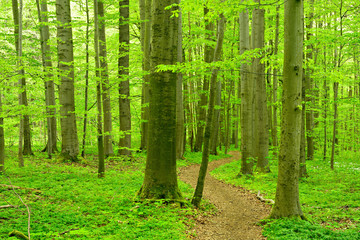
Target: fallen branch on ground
x,y
10,187
7,206
270,201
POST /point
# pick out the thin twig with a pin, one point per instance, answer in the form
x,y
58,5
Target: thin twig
x,y
27,207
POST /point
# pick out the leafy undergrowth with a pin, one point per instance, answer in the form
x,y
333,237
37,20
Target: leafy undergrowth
x,y
69,201
330,199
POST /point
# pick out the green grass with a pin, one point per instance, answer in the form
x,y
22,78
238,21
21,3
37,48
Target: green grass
x,y
330,199
74,199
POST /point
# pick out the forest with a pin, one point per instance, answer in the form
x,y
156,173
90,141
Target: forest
x,y
180,119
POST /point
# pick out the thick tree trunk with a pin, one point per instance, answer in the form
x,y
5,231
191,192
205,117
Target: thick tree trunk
x,y
261,115
146,12
209,121
208,57
49,83
70,142
247,99
124,89
160,180
105,87
287,203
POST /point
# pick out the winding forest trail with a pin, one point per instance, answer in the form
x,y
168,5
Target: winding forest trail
x,y
239,210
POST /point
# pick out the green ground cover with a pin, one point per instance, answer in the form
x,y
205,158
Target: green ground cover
x,y
73,203
330,199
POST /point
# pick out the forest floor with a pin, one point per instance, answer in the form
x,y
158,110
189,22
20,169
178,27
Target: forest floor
x,y
239,211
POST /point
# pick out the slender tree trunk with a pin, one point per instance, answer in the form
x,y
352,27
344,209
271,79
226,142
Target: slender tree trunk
x,y
100,138
25,119
334,138
124,89
303,172
70,142
86,79
247,99
309,88
49,83
275,85
325,105
179,97
160,180
287,203
105,87
209,121
2,138
145,87
208,57
261,115
216,120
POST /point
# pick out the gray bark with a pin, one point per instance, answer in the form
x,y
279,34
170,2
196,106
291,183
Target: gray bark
x,y
100,137
247,99
261,115
49,83
208,56
105,88
287,203
70,142
179,97
160,180
124,89
146,63
209,121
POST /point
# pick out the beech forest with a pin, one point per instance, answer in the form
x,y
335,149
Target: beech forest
x,y
180,119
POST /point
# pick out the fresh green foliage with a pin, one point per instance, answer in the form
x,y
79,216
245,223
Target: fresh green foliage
x,y
73,203
330,199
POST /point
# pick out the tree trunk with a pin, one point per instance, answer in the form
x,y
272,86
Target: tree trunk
x,y
209,121
303,172
2,138
105,87
247,99
100,138
287,203
70,143
216,120
145,88
275,86
208,57
334,139
309,88
160,180
124,89
49,83
25,131
179,97
86,79
261,115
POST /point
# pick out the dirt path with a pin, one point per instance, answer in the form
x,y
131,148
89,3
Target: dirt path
x,y
239,210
